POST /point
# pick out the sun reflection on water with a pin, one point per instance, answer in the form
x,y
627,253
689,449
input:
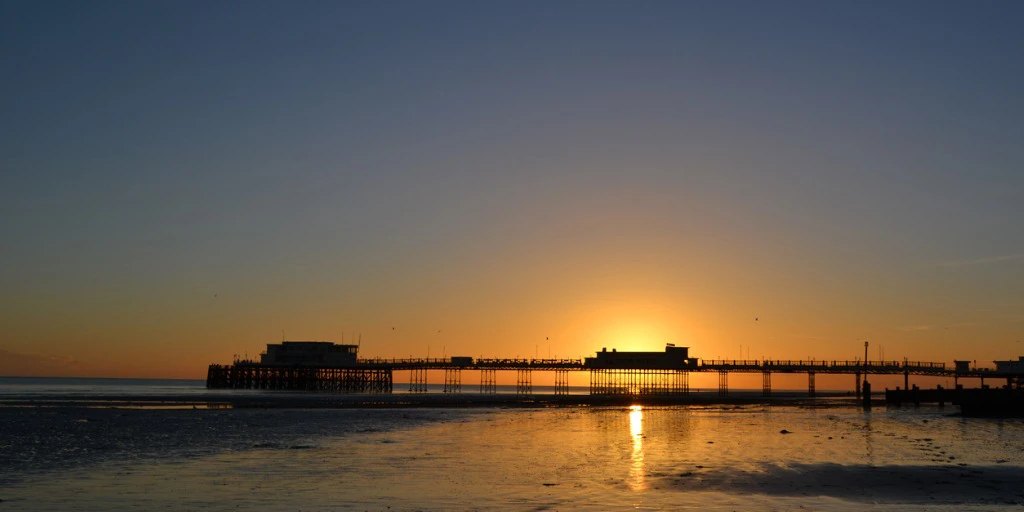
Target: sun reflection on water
x,y
636,429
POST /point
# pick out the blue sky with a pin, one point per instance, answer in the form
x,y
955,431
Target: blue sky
x,y
333,167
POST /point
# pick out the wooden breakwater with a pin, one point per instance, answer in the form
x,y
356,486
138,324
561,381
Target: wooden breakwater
x,y
1005,401
918,396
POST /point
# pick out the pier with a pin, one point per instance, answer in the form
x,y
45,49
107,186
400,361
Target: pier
x,y
329,367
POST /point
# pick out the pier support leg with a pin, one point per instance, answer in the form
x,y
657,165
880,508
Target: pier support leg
x,y
319,379
599,382
723,383
810,383
906,379
766,383
452,380
524,382
857,386
418,380
488,381
681,383
561,382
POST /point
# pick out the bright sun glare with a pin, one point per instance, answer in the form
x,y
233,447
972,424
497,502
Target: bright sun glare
x,y
636,337
636,429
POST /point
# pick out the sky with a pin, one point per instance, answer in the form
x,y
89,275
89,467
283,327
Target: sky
x,y
183,182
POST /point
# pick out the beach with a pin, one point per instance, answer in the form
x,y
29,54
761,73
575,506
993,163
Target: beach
x,y
757,456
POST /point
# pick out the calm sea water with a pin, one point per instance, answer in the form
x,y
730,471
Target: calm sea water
x,y
668,458
18,387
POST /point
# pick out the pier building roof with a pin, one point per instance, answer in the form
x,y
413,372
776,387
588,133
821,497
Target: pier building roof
x,y
672,358
310,353
1010,366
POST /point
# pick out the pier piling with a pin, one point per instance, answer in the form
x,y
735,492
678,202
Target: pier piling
x,y
524,382
452,380
418,380
561,382
488,381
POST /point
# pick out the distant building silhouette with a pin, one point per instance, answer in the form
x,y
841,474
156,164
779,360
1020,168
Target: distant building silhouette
x,y
310,353
672,358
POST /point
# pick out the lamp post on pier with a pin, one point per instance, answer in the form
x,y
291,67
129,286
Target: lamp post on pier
x,y
867,385
864,369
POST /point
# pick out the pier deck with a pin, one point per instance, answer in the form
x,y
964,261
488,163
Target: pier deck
x,y
611,373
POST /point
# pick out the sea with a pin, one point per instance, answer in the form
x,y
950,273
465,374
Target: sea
x,y
95,444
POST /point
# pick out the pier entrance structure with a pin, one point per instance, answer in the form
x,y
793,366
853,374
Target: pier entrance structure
x,y
305,366
309,353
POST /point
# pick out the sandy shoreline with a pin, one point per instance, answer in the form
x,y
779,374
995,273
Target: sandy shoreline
x,y
436,452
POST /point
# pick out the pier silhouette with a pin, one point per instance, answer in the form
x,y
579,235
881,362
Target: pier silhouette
x,y
329,367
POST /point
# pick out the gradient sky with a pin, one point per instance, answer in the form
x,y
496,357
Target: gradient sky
x,y
185,181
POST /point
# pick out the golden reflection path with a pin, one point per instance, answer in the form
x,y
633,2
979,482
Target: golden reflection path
x,y
636,430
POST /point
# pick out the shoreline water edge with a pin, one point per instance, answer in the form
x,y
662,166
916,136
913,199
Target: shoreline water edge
x,y
293,400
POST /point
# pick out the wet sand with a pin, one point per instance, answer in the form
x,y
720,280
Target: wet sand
x,y
524,458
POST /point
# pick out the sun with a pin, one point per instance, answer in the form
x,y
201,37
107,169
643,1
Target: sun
x,y
637,336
